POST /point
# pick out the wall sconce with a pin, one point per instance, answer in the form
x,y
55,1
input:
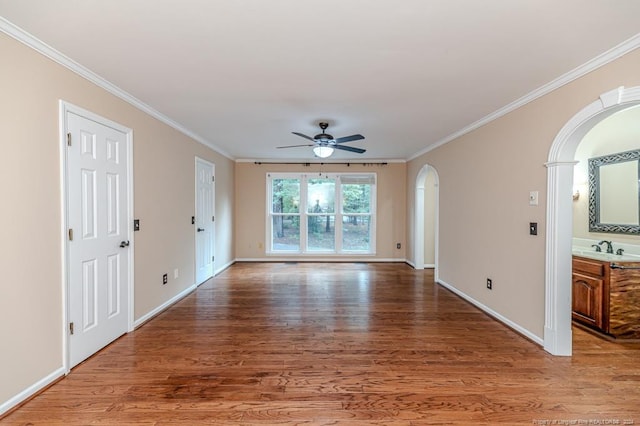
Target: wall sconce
x,y
322,151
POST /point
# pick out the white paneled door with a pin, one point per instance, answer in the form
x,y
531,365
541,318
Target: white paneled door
x,y
204,220
98,255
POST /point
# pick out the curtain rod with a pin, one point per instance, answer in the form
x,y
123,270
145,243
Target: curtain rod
x,y
259,163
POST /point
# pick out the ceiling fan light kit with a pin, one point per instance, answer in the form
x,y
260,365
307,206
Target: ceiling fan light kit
x,y
322,151
324,144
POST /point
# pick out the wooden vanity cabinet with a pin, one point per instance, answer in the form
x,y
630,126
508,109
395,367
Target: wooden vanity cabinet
x,y
590,293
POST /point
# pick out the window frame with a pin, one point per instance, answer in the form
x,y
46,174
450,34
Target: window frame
x,y
338,213
271,214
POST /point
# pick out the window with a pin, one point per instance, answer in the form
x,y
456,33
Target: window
x,y
327,214
356,212
285,214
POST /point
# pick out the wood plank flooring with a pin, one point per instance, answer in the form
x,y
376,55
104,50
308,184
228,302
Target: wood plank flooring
x,y
337,344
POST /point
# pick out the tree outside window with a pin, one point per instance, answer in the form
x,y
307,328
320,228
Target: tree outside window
x,y
337,217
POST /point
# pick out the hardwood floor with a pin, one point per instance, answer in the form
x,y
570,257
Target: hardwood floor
x,y
347,344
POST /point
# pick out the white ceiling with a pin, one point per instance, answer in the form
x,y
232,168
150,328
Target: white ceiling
x,y
244,74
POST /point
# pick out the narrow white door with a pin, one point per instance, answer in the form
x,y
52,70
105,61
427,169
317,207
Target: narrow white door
x,y
98,241
204,220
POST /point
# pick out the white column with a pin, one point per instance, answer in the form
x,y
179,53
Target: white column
x,y
557,328
418,243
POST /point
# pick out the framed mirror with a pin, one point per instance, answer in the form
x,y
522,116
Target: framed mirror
x,y
614,193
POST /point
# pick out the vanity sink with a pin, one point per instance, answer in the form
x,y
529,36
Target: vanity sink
x,y
605,292
607,257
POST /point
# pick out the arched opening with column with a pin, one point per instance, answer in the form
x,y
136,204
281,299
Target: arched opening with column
x,y
561,161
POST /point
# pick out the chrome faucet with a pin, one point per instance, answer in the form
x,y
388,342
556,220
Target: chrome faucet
x,y
619,252
597,247
609,245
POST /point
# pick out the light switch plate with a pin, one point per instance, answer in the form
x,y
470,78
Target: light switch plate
x,y
533,198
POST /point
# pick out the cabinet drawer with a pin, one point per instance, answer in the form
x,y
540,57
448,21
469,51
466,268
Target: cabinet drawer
x,y
588,266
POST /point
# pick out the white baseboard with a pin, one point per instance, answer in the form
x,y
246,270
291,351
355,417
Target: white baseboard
x,y
223,267
331,259
425,266
537,339
31,390
146,317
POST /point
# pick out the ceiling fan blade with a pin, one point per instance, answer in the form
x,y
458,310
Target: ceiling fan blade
x,y
304,136
293,146
349,148
349,138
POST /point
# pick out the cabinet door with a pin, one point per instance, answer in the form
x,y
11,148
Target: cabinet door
x,y
587,299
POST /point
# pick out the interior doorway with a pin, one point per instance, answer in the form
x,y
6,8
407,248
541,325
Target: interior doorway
x,y
204,220
98,257
560,171
426,219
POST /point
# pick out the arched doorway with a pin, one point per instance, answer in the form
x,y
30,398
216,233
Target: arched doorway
x,y
557,328
426,219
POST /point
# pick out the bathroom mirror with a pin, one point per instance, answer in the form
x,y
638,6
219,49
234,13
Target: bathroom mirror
x,y
614,193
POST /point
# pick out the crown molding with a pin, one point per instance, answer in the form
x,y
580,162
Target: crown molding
x,y
315,161
41,47
593,64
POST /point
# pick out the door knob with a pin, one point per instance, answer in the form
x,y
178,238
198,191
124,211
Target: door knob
x,y
200,229
124,244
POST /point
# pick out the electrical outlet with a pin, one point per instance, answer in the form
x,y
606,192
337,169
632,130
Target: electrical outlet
x,y
398,246
489,284
165,279
533,228
176,273
260,245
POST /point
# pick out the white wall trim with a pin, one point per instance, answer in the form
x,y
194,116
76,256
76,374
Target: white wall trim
x,y
146,317
51,53
418,218
493,313
328,259
31,390
224,267
591,65
267,161
557,328
64,221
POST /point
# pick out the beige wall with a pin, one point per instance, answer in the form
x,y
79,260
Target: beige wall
x,y
617,133
163,162
251,206
485,178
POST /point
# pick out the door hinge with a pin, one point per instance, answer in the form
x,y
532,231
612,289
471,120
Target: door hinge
x,y
70,234
71,327
213,258
213,218
213,178
68,139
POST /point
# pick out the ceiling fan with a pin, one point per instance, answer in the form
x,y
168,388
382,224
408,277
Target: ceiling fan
x,y
324,144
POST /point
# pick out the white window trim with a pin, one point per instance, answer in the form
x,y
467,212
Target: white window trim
x,y
303,214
